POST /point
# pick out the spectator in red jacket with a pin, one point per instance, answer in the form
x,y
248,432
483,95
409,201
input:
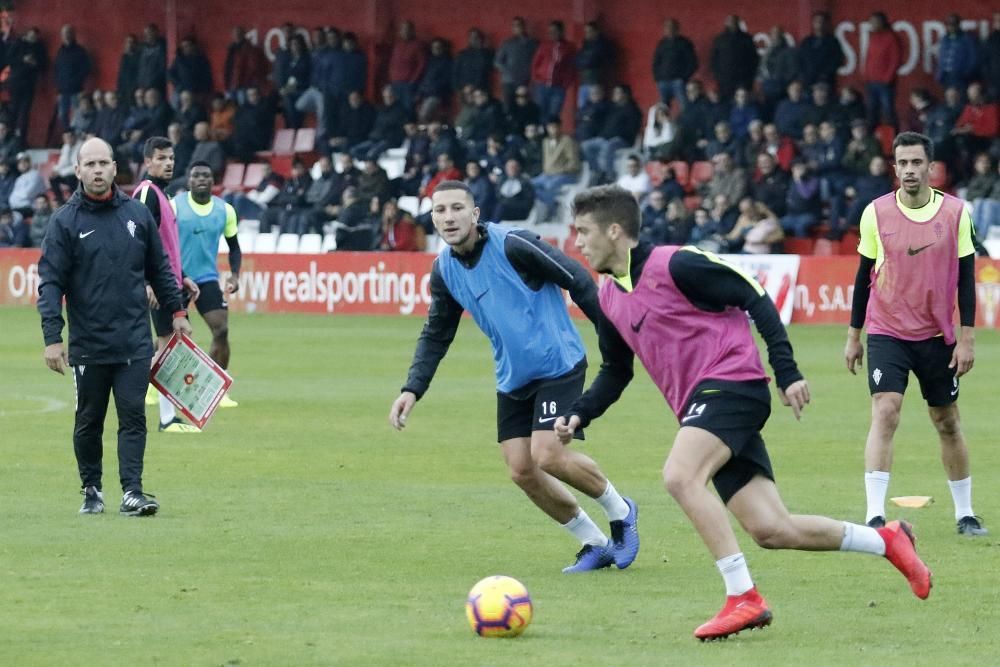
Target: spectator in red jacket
x,y
882,60
246,66
553,71
406,64
978,126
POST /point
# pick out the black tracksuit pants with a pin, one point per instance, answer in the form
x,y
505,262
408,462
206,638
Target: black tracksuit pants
x,y
94,386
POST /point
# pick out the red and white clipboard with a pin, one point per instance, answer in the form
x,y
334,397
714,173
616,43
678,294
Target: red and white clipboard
x,y
190,379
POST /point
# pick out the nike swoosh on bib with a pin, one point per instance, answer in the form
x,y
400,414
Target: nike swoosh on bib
x,y
916,251
638,325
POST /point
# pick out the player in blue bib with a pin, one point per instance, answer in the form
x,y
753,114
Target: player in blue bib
x,y
202,218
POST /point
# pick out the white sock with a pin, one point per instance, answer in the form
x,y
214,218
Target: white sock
x,y
862,539
876,488
961,493
614,505
586,530
167,411
735,573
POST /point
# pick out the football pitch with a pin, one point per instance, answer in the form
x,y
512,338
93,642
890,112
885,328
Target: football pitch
x,y
300,529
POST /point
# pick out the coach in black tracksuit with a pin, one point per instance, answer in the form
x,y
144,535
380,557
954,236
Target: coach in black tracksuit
x,y
100,249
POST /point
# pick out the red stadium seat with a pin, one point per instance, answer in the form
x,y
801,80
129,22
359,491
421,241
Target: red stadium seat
x,y
797,246
826,247
939,175
682,172
253,175
849,242
656,170
233,177
885,135
701,172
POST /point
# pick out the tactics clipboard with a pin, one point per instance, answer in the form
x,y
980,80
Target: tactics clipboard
x,y
190,379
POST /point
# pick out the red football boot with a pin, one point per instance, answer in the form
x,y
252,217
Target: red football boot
x,y
742,612
900,549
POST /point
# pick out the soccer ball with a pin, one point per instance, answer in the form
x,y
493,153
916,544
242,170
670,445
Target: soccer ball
x,y
498,607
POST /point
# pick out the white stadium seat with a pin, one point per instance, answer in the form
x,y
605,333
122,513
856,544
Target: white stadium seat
x,y
247,241
329,243
394,167
409,204
288,243
310,243
223,246
266,243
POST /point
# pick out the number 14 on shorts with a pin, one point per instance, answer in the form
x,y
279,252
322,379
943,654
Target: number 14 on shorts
x,y
694,412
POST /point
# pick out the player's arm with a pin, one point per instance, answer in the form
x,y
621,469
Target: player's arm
x,y
235,254
443,318
54,268
539,262
713,284
964,355
868,250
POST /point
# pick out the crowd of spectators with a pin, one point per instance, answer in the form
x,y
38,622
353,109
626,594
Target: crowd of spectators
x,y
790,151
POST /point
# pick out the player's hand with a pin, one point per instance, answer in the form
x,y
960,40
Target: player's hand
x,y
963,357
192,289
566,428
795,395
151,297
182,326
232,284
55,358
400,409
854,353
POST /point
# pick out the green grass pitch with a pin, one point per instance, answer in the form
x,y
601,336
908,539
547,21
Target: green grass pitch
x,y
300,529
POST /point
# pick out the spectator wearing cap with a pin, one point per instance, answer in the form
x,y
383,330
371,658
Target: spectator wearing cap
x,y
28,185
882,61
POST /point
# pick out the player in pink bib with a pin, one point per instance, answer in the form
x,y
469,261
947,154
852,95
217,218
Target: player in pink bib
x,y
683,313
917,261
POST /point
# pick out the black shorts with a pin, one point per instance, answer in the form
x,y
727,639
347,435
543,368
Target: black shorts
x,y
211,297
537,409
737,420
890,361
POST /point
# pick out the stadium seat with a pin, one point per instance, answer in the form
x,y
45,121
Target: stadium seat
x,y
253,174
826,247
692,202
656,171
393,166
305,140
288,243
885,135
939,175
224,245
248,226
409,204
310,243
425,206
281,164
247,239
266,243
329,243
232,179
284,142
682,172
701,172
849,242
797,246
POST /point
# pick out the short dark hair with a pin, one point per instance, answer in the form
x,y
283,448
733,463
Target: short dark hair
x,y
444,186
154,144
609,204
914,139
199,163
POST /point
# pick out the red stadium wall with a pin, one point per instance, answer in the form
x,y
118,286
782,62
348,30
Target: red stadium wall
x,y
635,27
397,284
